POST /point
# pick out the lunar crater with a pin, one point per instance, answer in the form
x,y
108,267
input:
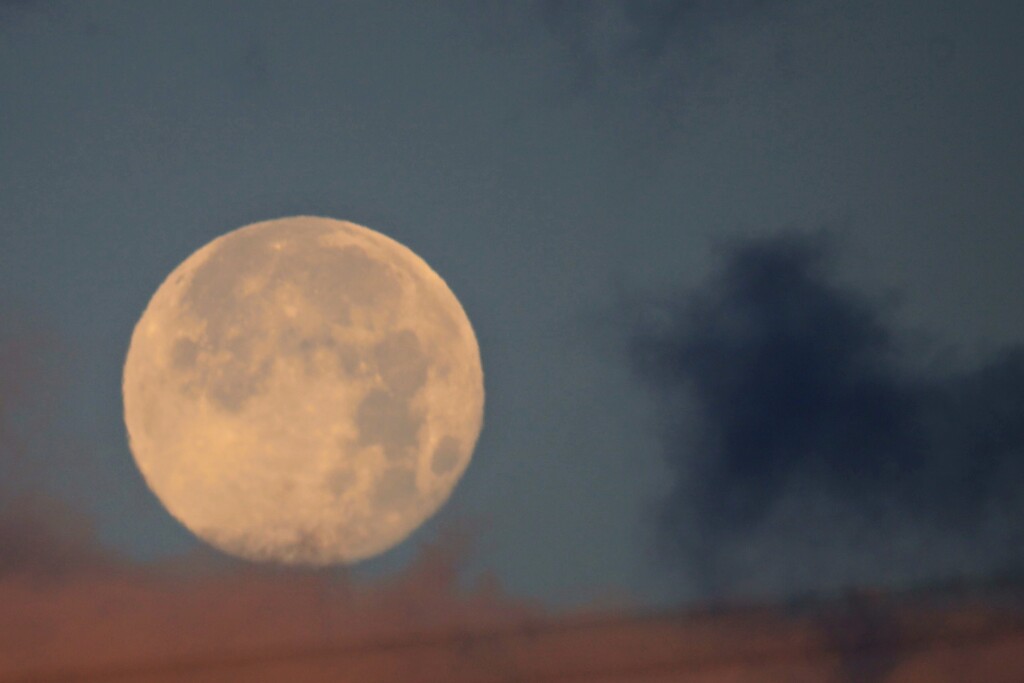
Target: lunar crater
x,y
390,421
446,456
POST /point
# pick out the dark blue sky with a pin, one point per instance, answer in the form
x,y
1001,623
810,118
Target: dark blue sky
x,y
593,180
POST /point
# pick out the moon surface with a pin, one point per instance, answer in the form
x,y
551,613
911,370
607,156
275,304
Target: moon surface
x,y
303,390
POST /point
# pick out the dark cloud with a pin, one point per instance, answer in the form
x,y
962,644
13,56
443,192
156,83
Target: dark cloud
x,y
628,46
646,63
785,393
639,30
645,48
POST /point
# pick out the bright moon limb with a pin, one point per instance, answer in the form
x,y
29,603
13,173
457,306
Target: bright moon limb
x,y
303,390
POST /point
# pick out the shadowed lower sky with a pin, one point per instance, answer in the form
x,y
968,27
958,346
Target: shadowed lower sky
x,y
76,612
817,412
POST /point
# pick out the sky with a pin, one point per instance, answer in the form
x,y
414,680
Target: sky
x,y
745,275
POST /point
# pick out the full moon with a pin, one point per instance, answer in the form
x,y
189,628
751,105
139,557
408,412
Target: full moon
x,y
303,390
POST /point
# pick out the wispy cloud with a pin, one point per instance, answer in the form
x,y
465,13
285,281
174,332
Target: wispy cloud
x,y
642,32
68,605
200,619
